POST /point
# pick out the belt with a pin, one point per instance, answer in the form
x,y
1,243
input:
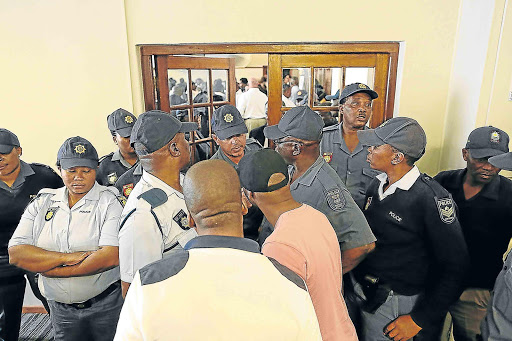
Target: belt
x,y
99,297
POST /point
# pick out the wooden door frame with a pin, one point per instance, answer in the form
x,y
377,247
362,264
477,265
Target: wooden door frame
x,y
387,50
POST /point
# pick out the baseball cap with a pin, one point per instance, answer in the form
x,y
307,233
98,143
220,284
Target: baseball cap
x,y
154,129
300,122
8,141
403,133
227,122
77,152
487,141
353,88
263,170
335,96
121,122
502,161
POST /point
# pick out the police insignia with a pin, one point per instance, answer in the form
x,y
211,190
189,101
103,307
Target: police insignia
x,y
128,119
127,189
495,137
80,149
327,157
122,200
446,210
50,213
335,199
368,203
362,86
112,178
228,118
181,219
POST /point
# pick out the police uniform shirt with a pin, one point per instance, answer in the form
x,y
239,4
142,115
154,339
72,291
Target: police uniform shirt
x,y
50,224
111,167
250,145
486,223
352,167
497,324
322,189
129,179
13,201
420,247
239,294
141,239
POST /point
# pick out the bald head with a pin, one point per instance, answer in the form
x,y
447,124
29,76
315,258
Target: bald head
x,y
253,82
213,197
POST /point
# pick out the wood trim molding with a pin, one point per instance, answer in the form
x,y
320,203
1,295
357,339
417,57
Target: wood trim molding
x,y
33,310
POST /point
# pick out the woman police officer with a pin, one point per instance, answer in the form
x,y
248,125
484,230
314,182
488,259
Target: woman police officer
x,y
69,235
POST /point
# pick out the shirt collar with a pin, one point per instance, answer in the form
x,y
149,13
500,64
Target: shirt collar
x,y
138,169
338,138
61,196
25,171
117,156
310,174
153,181
405,182
223,242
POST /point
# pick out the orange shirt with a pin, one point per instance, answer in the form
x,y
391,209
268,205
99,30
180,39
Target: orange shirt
x,y
304,241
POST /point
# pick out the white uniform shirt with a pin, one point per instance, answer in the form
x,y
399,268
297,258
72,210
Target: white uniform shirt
x,y
405,182
140,240
50,224
287,102
252,104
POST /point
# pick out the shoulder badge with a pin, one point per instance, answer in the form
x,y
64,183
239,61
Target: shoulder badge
x,y
181,219
335,199
121,199
446,210
50,213
127,189
368,203
327,157
112,177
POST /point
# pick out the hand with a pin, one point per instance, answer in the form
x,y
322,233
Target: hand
x,y
75,258
246,204
402,329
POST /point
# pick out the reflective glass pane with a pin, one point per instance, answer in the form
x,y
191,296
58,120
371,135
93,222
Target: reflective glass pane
x,y
200,86
178,86
202,119
300,80
359,75
327,82
220,85
181,114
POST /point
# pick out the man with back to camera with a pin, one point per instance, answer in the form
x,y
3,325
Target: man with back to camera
x,y
154,220
416,270
229,133
484,200
220,286
313,182
113,165
252,105
303,240
340,145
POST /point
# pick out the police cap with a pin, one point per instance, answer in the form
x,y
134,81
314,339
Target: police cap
x,y
487,141
227,122
263,170
502,161
77,152
300,122
121,122
8,141
353,88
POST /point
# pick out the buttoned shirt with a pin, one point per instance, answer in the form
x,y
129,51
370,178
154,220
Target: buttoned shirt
x,y
404,183
111,167
50,224
252,104
351,167
25,170
144,237
250,145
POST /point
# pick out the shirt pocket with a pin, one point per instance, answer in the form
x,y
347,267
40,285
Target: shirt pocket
x,y
368,175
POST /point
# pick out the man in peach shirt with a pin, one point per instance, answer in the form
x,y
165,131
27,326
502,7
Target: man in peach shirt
x,y
303,239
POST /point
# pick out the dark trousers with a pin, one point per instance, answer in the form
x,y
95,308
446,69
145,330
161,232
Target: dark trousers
x,y
12,291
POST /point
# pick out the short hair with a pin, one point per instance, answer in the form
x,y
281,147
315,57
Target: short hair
x,y
409,160
244,80
114,133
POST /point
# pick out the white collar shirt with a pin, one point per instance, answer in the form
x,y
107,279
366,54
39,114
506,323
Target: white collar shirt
x,y
252,104
50,224
140,239
405,182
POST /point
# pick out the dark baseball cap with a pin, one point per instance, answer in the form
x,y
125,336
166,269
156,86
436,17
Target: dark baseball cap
x,y
403,133
154,129
263,170
8,141
77,152
300,122
502,161
353,88
487,141
121,122
227,122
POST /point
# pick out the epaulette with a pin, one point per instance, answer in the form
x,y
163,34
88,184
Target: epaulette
x,y
51,191
155,197
252,140
331,128
439,191
106,156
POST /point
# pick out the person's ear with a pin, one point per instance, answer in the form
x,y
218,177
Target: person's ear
x,y
465,154
174,150
296,149
399,157
216,139
19,151
114,138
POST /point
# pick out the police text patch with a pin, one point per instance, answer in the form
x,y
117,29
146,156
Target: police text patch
x,y
446,210
181,219
335,199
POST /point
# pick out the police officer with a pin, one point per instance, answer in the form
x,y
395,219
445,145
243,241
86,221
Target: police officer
x,y
69,235
229,133
340,146
154,220
20,182
418,265
313,182
129,179
113,165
